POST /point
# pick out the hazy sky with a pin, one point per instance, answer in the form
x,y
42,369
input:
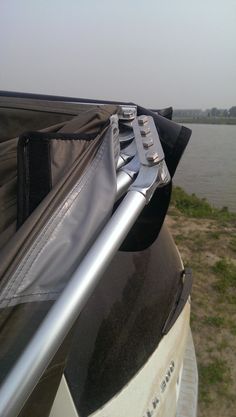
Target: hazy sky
x,y
155,53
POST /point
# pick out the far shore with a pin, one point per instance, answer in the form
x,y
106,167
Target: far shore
x,y
207,120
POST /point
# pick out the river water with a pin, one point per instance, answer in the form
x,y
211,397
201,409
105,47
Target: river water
x,y
208,166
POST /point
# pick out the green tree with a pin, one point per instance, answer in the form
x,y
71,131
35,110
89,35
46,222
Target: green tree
x,y
214,112
232,111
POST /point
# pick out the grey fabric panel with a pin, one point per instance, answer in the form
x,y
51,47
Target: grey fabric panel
x,y
18,115
8,182
59,246
7,189
89,120
45,105
20,242
16,121
63,155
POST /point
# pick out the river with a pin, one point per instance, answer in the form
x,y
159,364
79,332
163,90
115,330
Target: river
x,y
208,166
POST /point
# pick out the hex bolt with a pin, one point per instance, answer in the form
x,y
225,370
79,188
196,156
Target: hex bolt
x,y
128,113
145,131
151,156
142,120
148,142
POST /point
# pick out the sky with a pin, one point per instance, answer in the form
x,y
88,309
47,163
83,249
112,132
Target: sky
x,y
154,53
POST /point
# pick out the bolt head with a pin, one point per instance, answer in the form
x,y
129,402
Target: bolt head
x,y
151,156
128,114
145,130
147,142
142,120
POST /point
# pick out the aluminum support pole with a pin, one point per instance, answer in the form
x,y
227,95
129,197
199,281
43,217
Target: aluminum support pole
x,y
33,362
124,180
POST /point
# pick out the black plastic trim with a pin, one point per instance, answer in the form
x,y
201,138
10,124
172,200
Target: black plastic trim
x,y
182,300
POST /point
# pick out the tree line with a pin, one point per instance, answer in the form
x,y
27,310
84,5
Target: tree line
x,y
215,112
212,113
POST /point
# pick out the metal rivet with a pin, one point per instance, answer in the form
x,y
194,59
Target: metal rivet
x,y
142,120
151,156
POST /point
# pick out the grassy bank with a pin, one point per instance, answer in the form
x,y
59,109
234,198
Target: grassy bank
x,y
206,238
207,120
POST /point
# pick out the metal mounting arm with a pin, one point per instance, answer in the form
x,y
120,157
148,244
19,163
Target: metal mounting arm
x,y
153,171
148,162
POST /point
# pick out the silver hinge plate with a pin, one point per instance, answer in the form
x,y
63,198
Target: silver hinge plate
x,y
147,140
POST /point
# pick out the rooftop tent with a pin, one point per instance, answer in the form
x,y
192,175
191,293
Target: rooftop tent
x,y
58,189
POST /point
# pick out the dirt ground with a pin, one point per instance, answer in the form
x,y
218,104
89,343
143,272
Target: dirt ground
x,y
209,248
